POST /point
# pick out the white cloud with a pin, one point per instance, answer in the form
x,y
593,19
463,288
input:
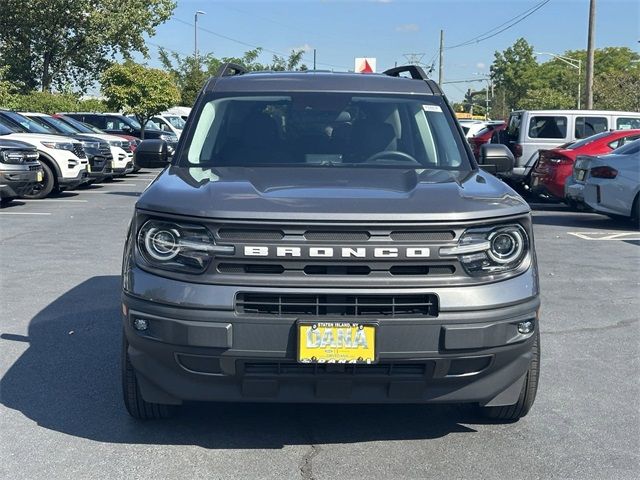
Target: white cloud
x,y
480,66
407,27
305,47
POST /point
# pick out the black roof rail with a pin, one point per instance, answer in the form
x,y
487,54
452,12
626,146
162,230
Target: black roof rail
x,y
416,73
230,69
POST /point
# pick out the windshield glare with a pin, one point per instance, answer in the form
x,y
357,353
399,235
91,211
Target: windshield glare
x,y
325,129
29,125
79,126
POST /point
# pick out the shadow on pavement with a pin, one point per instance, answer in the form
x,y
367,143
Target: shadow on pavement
x,y
68,380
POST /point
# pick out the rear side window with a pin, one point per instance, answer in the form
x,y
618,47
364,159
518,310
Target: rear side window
x,y
623,141
588,126
513,128
627,123
548,127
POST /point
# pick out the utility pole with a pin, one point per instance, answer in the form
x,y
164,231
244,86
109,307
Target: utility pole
x,y
440,64
195,37
314,58
590,48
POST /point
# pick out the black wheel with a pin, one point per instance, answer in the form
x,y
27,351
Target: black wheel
x,y
6,201
45,187
511,413
136,405
635,211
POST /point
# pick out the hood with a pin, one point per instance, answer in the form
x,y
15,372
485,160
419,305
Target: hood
x,y
103,136
34,138
335,194
15,144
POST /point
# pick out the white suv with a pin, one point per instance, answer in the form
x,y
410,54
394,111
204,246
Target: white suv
x,y
63,160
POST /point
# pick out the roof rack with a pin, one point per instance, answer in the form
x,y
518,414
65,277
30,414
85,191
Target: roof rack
x,y
230,69
416,73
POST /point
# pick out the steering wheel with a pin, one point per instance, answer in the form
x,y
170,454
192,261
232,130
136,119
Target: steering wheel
x,y
391,155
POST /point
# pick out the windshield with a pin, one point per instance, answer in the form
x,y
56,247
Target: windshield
x,y
56,123
175,121
4,130
325,129
27,124
79,126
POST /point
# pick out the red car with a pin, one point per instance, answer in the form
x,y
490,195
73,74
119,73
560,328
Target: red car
x,y
484,136
554,166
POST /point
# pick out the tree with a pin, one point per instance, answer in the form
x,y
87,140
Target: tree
x,y
191,76
546,98
139,90
514,71
47,43
618,90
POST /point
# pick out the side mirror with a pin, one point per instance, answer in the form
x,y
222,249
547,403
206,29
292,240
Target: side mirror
x,y
496,158
151,154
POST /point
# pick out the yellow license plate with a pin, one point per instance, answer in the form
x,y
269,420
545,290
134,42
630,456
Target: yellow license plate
x,y
336,342
88,168
39,176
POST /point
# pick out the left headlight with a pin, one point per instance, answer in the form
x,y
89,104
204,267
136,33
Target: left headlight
x,y
488,251
178,246
59,145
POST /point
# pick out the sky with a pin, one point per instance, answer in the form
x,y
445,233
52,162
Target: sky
x,y
390,29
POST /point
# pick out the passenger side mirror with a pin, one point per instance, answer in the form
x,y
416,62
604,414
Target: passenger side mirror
x,y
151,154
496,158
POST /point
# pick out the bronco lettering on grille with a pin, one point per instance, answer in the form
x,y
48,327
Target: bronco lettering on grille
x,y
331,252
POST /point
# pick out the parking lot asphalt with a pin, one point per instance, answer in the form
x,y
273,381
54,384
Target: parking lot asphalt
x,y
61,414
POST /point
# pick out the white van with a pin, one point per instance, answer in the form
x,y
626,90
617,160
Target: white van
x,y
531,130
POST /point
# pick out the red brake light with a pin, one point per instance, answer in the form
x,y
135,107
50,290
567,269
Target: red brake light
x,y
517,150
603,172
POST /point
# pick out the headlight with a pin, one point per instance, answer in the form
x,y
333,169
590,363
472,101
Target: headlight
x,y
488,251
92,145
17,156
178,246
168,138
115,143
59,145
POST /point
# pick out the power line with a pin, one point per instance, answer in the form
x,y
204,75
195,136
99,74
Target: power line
x,y
507,25
250,45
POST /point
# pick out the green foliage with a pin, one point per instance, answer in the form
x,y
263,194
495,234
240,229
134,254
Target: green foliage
x,y
520,82
139,90
618,90
53,43
191,76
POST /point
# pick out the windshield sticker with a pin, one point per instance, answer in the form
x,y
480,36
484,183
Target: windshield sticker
x,y
431,108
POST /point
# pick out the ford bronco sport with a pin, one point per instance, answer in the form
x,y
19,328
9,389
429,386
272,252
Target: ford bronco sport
x,y
328,237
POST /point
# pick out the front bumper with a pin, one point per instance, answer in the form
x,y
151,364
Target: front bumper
x,y
15,183
198,348
71,182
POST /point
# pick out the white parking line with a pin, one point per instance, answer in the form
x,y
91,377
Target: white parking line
x,y
24,213
103,192
116,184
42,200
606,235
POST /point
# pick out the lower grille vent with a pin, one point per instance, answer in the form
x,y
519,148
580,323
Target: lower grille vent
x,y
338,305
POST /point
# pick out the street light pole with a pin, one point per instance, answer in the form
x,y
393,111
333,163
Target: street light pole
x,y
572,62
195,36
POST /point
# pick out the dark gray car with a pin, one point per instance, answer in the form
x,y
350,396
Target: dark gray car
x,y
19,169
328,237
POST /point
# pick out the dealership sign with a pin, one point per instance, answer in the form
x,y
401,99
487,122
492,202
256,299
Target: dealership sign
x,y
365,65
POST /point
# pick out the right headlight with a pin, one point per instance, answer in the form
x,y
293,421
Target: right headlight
x,y
178,246
488,251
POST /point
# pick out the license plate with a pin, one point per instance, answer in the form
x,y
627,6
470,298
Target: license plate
x,y
336,342
88,168
39,176
580,175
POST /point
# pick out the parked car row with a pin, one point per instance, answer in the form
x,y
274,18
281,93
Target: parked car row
x,y
68,154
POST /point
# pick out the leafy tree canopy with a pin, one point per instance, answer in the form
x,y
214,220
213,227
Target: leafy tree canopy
x,y
139,90
52,43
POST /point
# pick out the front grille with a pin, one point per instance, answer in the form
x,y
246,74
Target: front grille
x,y
419,369
313,269
34,167
417,236
254,235
78,150
325,236
105,150
338,305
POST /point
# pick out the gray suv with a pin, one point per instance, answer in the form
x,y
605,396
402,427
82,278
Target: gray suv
x,y
328,237
19,169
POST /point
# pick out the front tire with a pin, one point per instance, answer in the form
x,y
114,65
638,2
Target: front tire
x,y
133,401
45,187
512,413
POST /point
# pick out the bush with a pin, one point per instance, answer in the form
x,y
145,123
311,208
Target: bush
x,y
45,102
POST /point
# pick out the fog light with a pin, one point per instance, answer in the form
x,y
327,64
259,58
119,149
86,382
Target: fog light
x,y
525,327
140,324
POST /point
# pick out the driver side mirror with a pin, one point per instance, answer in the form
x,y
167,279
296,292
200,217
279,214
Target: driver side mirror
x,y
151,154
496,158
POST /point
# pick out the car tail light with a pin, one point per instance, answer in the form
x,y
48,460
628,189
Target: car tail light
x,y
517,150
603,172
